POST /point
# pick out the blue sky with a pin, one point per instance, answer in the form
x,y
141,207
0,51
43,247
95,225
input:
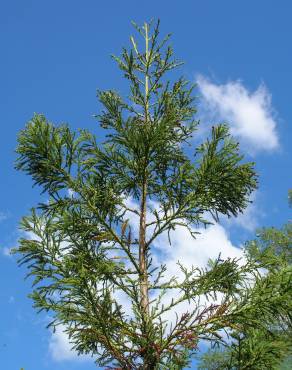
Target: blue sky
x,y
54,55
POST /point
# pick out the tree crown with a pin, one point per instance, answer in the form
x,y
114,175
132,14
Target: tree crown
x,y
109,203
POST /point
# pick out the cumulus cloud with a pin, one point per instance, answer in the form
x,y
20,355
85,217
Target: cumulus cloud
x,y
249,219
249,114
6,251
209,243
60,347
71,193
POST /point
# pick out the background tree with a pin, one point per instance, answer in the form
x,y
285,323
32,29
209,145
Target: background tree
x,y
269,345
87,250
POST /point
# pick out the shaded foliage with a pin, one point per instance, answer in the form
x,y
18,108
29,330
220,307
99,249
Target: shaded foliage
x,y
267,345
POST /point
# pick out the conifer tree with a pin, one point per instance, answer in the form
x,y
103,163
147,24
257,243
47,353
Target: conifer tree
x,y
84,251
265,346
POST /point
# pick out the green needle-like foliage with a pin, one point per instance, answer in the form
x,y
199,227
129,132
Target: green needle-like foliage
x,y
267,345
92,243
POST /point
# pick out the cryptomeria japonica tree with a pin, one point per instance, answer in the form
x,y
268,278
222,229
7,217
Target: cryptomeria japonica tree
x,y
265,346
92,242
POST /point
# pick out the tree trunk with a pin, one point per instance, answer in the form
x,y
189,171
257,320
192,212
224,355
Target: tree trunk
x,y
142,255
149,362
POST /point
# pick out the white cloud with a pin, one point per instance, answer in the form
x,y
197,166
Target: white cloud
x,y
60,347
249,114
71,193
210,242
6,251
249,219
